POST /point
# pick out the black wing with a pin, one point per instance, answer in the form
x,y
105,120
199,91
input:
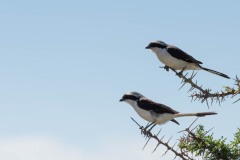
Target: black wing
x,y
148,105
179,54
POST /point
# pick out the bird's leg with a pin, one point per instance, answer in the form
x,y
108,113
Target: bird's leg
x,y
144,129
165,67
151,128
148,125
181,72
147,132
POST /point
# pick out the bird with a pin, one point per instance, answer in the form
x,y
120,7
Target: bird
x,y
153,112
177,59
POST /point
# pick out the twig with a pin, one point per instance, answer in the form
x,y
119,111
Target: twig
x,y
204,95
160,141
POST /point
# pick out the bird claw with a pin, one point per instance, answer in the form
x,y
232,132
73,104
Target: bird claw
x,y
146,133
166,68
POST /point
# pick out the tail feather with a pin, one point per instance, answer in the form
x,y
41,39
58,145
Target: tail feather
x,y
202,114
173,120
216,72
199,114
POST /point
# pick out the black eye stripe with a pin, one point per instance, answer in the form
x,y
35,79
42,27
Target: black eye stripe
x,y
131,97
157,45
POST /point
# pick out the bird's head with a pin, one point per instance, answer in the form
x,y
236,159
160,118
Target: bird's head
x,y
156,45
131,97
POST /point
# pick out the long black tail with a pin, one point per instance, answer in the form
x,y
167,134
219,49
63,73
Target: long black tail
x,y
202,114
198,114
215,72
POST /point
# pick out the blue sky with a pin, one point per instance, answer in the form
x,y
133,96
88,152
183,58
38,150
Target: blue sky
x,y
65,64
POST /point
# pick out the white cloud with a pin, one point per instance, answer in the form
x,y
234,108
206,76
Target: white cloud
x,y
44,148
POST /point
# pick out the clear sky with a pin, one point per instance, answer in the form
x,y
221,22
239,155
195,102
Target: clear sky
x,y
64,65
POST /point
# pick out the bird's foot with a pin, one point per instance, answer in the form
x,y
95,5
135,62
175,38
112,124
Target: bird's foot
x,y
180,74
146,132
166,68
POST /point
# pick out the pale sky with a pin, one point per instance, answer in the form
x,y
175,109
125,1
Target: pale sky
x,y
64,65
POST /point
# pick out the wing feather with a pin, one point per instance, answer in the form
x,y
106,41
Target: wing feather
x,y
148,105
179,54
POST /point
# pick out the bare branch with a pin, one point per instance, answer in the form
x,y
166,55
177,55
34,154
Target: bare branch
x,y
206,95
160,141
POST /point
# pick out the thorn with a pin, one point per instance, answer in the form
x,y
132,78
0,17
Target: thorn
x,y
165,152
195,98
236,101
207,103
146,143
174,145
182,131
175,157
191,98
219,102
190,89
208,131
135,122
182,85
159,132
194,128
194,75
169,140
155,148
193,122
162,137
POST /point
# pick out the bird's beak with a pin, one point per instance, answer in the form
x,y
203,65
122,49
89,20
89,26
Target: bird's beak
x,y
148,47
121,100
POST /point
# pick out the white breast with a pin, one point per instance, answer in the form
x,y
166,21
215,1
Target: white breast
x,y
144,114
141,112
172,62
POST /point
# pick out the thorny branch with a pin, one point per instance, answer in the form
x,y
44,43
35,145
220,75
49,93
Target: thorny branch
x,y
196,142
204,95
160,141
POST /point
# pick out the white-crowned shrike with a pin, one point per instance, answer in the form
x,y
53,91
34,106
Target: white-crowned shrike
x,y
156,113
177,59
